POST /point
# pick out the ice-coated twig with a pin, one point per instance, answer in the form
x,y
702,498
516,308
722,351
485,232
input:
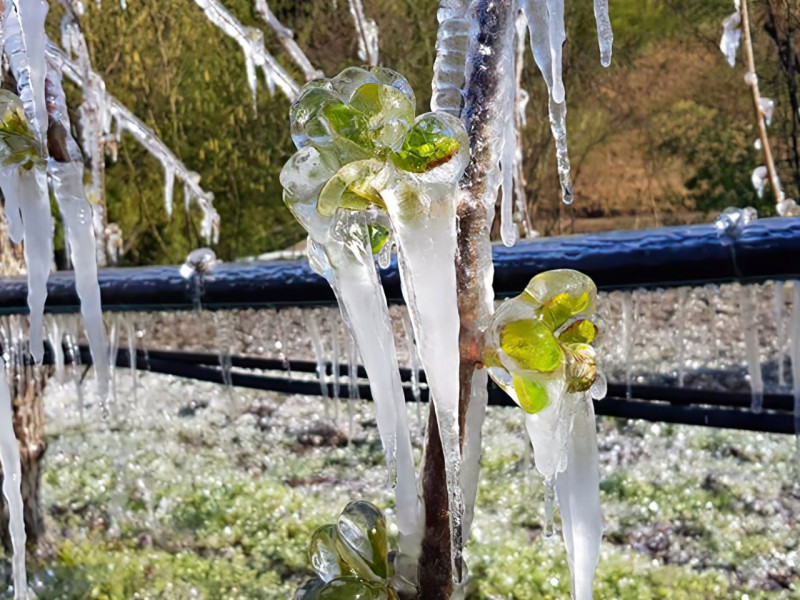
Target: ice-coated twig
x,y
286,38
129,122
521,203
255,54
367,32
752,81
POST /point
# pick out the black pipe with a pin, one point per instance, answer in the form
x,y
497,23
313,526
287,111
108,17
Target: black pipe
x,y
666,257
662,410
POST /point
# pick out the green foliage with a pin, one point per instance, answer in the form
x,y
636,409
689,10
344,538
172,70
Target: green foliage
x,y
721,153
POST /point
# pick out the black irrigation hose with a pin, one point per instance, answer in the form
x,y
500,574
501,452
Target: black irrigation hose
x,y
651,403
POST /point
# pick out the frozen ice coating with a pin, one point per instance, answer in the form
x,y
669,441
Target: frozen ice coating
x,y
748,311
731,36
251,41
605,36
449,68
539,352
12,471
732,221
367,169
367,33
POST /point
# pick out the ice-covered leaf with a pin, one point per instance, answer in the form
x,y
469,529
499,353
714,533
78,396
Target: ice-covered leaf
x,y
389,111
532,396
18,145
362,540
349,588
378,236
429,144
324,556
532,345
355,186
580,331
558,310
550,284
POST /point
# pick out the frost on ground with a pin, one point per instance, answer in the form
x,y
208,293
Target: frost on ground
x,y
188,498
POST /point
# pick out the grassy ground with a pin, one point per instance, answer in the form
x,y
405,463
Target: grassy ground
x,y
219,504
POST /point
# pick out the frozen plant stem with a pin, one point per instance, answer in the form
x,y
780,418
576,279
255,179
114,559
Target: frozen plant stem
x,y
752,82
478,190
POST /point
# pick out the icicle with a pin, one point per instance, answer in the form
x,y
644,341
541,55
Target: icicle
x,y
795,353
281,344
628,325
385,255
169,186
767,106
130,333
605,36
780,329
67,181
224,339
578,489
731,36
449,68
680,340
251,41
508,228
548,524
748,307
352,381
759,180
413,354
319,353
335,361
12,478
55,335
367,33
521,205
546,28
470,468
114,337
38,227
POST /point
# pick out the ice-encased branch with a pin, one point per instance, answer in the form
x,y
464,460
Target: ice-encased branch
x,y
286,38
251,41
129,122
367,31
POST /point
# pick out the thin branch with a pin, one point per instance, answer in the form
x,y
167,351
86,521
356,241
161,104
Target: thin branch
x,y
752,81
286,38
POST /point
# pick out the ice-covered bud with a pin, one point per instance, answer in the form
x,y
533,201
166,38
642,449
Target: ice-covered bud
x,y
731,222
350,557
788,208
731,36
539,343
18,145
437,144
767,106
750,78
201,260
759,180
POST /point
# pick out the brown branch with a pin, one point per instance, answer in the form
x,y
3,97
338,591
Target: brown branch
x,y
752,82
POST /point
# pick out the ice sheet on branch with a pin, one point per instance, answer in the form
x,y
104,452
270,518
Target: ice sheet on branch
x,y
539,352
256,55
125,120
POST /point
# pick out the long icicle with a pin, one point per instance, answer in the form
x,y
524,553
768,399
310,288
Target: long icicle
x,y
12,478
66,172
